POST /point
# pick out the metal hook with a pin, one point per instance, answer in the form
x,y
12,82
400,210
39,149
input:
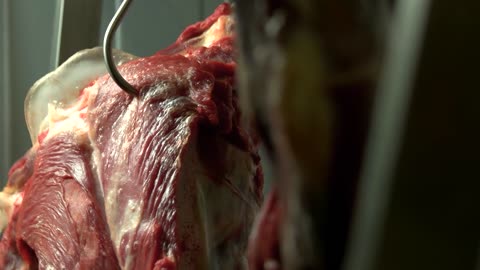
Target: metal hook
x,y
107,50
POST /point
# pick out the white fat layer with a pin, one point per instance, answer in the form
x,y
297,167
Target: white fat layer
x,y
62,86
60,121
8,203
132,216
221,28
129,217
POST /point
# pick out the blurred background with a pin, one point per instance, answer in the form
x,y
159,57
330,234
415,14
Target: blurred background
x,y
28,44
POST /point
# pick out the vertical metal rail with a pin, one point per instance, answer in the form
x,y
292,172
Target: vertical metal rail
x,y
57,30
6,157
419,203
387,125
57,33
78,27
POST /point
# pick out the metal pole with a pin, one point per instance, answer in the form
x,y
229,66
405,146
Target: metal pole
x,y
387,128
78,28
6,157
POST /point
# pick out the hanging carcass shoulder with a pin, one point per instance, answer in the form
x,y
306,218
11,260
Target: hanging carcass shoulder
x,y
170,179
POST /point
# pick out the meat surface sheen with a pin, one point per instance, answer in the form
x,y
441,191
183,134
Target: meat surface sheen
x,y
168,180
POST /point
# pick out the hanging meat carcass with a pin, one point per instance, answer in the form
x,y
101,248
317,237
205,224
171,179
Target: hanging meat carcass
x,y
168,180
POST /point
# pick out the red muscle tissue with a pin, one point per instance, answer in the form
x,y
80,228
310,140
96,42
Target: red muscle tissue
x,y
168,180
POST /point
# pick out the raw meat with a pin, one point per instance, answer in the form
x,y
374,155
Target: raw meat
x,y
168,180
